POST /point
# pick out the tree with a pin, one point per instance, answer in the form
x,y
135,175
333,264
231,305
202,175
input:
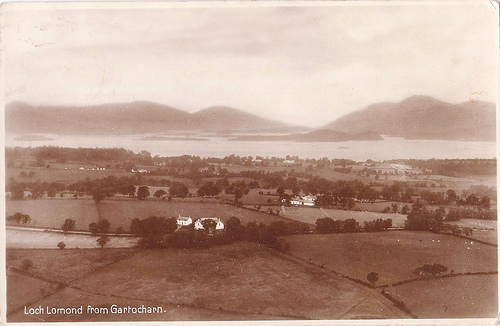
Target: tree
x,y
20,217
421,219
51,193
160,193
467,231
234,229
68,225
61,245
427,270
238,194
208,189
98,194
178,189
143,192
93,228
17,191
351,225
101,241
103,225
209,225
130,190
372,277
153,229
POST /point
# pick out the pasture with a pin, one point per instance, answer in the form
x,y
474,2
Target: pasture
x,y
468,296
67,176
476,224
37,239
23,289
51,213
392,254
242,281
172,312
488,236
310,215
242,277
65,265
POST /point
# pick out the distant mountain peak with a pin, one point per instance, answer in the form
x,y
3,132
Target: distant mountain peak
x,y
422,117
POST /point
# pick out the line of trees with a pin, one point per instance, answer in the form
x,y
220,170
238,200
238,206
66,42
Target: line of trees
x,y
159,232
329,225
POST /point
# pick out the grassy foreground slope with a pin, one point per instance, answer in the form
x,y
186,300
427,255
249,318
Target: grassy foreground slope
x,y
242,277
393,254
468,296
242,281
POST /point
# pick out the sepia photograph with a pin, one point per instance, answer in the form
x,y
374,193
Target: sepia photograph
x,y
276,162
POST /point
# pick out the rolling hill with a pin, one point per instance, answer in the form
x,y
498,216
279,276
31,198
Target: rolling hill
x,y
421,117
127,118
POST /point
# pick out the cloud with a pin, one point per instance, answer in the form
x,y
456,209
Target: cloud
x,y
298,64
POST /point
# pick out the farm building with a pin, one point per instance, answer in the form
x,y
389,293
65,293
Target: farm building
x,y
184,220
303,201
219,225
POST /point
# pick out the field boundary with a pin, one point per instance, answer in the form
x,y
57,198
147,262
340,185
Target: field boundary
x,y
473,239
61,285
294,259
442,276
54,230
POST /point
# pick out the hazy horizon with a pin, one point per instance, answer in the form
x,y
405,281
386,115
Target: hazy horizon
x,y
297,63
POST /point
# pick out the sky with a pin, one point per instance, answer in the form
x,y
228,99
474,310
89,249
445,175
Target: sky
x,y
302,63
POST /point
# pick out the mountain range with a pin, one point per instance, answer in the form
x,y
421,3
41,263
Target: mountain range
x,y
128,118
422,117
418,117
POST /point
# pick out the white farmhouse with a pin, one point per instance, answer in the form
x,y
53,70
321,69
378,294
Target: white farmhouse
x,y
184,220
303,201
198,225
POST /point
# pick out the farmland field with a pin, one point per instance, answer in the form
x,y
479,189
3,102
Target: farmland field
x,y
71,175
392,254
65,265
476,224
173,312
489,236
469,296
311,215
238,281
24,289
37,239
52,212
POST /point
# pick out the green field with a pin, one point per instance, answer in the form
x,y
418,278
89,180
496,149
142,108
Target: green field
x,y
65,265
476,224
242,281
24,289
120,212
61,175
489,236
470,296
392,254
52,212
310,215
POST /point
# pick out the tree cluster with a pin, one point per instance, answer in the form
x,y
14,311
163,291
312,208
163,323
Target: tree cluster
x,y
430,270
423,219
329,225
